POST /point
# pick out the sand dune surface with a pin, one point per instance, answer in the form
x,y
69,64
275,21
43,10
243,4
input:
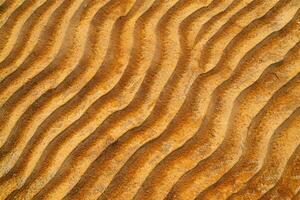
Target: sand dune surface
x,y
149,99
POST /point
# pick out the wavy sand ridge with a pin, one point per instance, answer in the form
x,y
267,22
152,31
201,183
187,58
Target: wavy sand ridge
x,y
149,99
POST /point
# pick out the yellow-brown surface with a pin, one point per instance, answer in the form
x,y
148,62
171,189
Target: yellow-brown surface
x,y
149,99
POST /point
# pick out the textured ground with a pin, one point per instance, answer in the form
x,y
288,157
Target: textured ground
x,y
150,99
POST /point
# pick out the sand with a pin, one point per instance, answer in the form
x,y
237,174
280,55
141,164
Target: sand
x,y
149,99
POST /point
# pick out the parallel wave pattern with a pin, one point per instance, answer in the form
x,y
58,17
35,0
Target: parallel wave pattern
x,y
149,99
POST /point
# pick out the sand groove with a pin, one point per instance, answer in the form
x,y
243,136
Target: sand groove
x,y
149,99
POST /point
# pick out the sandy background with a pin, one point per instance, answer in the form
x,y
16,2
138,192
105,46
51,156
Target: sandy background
x,y
150,99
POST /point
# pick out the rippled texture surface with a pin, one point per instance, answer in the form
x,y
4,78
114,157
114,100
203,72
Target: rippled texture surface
x,y
149,99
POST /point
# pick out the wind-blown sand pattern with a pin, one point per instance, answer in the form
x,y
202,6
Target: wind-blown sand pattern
x,y
150,99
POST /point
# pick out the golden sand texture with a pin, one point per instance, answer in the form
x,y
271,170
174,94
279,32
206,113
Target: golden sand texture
x,y
150,99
